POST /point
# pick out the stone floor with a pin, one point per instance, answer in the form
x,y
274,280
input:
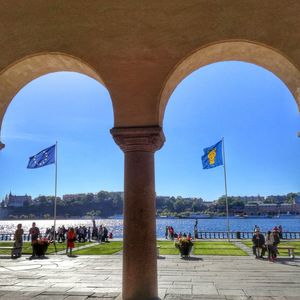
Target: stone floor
x,y
99,277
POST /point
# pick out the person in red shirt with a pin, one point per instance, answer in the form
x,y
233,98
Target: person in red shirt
x,y
71,236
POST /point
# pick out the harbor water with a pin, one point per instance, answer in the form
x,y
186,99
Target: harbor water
x,y
289,224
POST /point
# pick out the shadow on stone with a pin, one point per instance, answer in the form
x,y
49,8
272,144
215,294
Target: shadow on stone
x,y
191,258
288,261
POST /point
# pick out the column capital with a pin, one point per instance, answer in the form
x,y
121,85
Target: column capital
x,y
131,139
2,146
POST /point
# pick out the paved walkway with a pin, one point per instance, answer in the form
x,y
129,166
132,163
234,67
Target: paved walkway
x,y
242,246
99,277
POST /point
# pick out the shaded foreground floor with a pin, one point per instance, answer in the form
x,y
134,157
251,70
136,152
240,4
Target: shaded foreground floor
x,y
99,277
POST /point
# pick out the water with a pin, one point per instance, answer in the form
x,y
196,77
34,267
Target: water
x,y
289,224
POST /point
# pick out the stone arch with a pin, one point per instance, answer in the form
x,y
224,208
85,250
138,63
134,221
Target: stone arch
x,y
14,77
245,51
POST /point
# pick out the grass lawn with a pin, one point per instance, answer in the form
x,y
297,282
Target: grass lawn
x,y
203,248
100,249
28,250
295,244
62,246
217,248
167,248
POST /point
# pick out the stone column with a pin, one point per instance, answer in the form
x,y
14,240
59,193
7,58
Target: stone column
x,y
1,146
139,252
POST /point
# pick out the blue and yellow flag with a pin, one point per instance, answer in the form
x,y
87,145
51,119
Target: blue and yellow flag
x,y
213,156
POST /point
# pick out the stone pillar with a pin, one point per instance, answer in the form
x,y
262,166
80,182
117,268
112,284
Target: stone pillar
x,y
139,253
1,146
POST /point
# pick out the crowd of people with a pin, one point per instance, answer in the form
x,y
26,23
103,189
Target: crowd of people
x,y
261,243
40,242
268,243
171,234
83,234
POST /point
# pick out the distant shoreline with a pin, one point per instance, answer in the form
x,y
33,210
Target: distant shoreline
x,y
158,217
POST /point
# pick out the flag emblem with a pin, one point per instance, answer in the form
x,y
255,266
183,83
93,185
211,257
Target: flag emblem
x,y
213,156
43,158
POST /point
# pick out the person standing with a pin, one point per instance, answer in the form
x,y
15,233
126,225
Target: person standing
x,y
100,233
280,231
105,234
35,233
71,236
276,239
269,244
166,232
18,244
196,229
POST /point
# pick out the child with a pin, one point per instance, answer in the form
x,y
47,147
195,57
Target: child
x,y
71,235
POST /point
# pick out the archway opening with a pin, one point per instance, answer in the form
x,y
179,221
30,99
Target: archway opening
x,y
76,111
256,114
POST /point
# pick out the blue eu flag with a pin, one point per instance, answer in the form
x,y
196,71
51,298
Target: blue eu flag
x,y
43,158
213,156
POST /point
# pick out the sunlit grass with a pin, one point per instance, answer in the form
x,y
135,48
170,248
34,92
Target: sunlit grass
x,y
27,249
102,249
217,248
167,248
203,248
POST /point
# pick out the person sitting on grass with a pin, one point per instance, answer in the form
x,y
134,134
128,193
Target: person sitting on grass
x,y
71,236
258,241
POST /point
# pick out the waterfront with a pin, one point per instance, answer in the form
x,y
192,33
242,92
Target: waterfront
x,y
289,224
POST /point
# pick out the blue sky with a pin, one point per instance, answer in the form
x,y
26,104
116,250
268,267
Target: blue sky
x,y
247,105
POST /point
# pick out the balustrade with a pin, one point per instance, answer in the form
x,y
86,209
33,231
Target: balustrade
x,y
213,235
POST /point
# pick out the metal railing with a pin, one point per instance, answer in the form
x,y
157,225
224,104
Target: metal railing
x,y
201,235
241,235
10,237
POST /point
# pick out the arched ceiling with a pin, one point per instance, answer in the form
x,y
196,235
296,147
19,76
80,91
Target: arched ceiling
x,y
16,76
260,55
136,46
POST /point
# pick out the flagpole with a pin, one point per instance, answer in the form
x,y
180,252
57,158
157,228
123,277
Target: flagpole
x,y
55,196
226,198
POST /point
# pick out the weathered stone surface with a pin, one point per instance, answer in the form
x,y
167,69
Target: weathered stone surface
x,y
220,278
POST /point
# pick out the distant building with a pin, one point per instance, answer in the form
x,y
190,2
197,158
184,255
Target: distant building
x,y
272,208
16,201
73,196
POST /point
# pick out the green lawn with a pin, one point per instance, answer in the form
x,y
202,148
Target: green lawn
x,y
28,250
203,248
62,246
295,244
167,248
100,249
217,248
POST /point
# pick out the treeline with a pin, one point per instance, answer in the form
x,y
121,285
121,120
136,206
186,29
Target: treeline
x,y
105,204
171,206
102,204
